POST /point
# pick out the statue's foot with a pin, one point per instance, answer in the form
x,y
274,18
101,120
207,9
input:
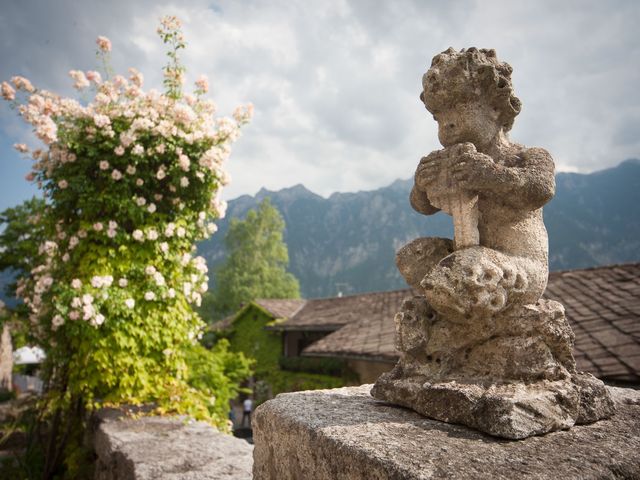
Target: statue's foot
x,y
417,258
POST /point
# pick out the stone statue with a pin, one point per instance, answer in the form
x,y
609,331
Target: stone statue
x,y
481,347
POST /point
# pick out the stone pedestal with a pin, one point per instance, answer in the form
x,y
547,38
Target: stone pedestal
x,y
509,375
346,434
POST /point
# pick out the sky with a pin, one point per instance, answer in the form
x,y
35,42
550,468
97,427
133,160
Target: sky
x,y
335,83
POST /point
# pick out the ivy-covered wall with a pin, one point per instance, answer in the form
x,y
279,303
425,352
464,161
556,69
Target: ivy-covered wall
x,y
248,335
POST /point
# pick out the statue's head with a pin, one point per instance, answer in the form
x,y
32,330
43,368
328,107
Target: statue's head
x,y
472,80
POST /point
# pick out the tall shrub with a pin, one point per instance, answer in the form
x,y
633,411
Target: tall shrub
x,y
132,181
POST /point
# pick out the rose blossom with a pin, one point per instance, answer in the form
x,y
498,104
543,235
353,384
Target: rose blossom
x,y
130,302
202,83
104,165
8,93
22,83
139,182
56,322
94,76
119,150
131,170
101,120
184,162
138,235
136,77
104,44
149,296
116,174
98,226
137,149
63,184
21,147
79,78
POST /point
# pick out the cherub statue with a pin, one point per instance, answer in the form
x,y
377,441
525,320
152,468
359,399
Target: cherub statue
x,y
493,188
480,346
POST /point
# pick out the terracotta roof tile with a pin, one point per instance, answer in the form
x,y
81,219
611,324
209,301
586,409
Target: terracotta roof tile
x,y
602,306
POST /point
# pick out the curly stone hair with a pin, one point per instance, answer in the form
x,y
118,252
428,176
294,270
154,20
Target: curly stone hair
x,y
470,75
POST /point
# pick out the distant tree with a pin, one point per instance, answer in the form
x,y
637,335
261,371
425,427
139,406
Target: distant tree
x,y
256,266
22,234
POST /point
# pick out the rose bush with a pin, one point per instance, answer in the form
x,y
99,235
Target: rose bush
x,y
132,180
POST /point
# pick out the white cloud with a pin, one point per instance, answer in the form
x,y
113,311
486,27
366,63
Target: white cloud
x,y
336,83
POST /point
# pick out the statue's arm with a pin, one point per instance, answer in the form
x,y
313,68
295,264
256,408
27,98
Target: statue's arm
x,y
420,202
528,185
538,177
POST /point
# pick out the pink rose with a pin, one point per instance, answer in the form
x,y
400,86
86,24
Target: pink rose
x,y
104,44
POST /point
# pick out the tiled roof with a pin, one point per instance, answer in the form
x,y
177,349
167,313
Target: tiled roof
x,y
602,305
278,308
603,308
329,314
281,308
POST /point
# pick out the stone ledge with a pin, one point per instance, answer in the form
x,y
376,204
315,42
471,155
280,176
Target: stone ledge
x,y
151,448
346,434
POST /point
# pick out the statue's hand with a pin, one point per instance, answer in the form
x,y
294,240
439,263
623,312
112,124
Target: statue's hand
x,y
473,170
429,169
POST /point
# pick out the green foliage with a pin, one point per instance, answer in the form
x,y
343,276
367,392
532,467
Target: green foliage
x,y
257,263
265,347
326,366
132,181
20,239
218,373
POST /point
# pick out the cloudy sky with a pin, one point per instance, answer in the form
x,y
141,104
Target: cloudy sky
x,y
335,83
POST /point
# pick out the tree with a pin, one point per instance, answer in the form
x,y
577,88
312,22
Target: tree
x,y
21,239
257,263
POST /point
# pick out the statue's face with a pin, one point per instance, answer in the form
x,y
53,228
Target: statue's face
x,y
472,122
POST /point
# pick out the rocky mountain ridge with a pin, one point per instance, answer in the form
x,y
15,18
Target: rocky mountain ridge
x,y
347,242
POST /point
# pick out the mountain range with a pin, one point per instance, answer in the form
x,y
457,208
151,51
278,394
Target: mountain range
x,y
346,243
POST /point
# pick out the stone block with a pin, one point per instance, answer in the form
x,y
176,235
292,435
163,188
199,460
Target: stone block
x,y
168,448
346,434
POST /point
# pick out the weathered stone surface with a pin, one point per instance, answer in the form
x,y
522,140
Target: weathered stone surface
x,y
479,347
346,434
6,356
151,448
